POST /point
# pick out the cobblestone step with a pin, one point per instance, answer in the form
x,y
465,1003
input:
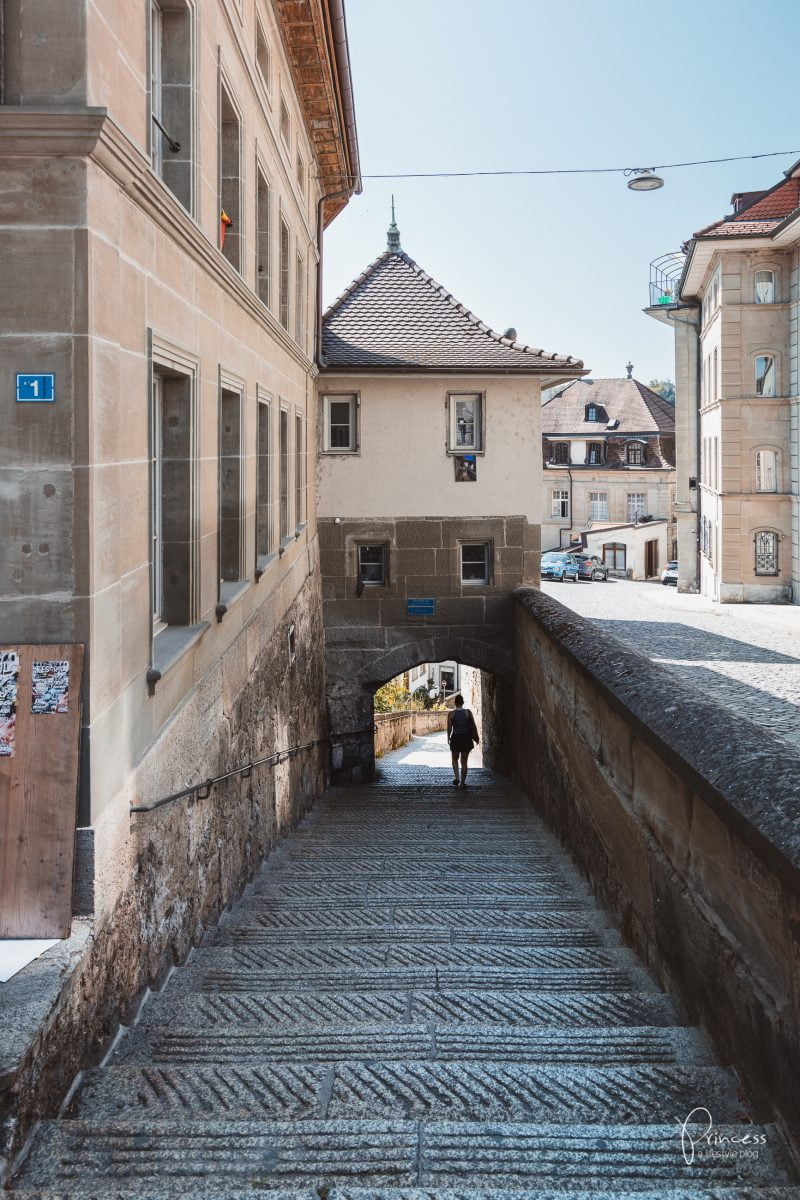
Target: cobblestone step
x,y
301,956
539,1044
388,937
206,1011
457,923
354,1090
245,1157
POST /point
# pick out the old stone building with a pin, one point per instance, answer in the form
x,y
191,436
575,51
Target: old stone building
x,y
608,452
420,552
166,169
734,312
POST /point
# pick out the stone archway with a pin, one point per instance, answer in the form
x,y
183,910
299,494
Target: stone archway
x,y
353,677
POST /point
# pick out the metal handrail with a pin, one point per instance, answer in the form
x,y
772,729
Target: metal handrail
x,y
201,791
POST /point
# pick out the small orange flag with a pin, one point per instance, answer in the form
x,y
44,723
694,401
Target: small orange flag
x,y
224,223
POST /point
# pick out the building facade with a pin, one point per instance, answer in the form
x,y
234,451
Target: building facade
x,y
736,320
608,463
164,167
421,552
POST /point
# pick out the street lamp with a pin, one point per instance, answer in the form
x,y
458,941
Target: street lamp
x,y
644,179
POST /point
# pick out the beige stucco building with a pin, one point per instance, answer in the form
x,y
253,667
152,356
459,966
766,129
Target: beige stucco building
x,y
420,550
735,313
163,173
608,473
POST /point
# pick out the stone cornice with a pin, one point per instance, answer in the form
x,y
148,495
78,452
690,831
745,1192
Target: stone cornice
x,y
92,134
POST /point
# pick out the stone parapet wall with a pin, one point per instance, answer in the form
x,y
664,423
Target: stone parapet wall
x,y
684,817
393,730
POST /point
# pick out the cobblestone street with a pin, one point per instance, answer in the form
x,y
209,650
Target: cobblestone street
x,y
745,656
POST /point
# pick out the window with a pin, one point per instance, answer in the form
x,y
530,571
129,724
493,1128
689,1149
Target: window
x,y
372,565
171,488
465,421
283,307
715,461
715,376
300,301
230,181
598,506
231,478
299,471
300,172
340,424
171,126
766,471
591,412
614,556
765,375
286,131
156,502
765,287
561,452
560,504
263,56
594,453
264,239
284,475
475,562
291,640
263,482
634,454
766,547
636,505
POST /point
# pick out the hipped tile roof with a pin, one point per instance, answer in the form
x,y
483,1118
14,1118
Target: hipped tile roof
x,y
634,406
395,316
762,215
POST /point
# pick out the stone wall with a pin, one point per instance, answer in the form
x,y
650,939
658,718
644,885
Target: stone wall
x,y
393,730
694,847
168,873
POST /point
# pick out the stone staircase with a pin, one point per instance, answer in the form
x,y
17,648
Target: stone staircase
x,y
416,1000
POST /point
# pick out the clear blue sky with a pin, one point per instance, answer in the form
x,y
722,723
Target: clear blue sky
x,y
471,85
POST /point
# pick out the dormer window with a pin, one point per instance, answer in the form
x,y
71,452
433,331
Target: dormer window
x,y
591,412
634,454
561,452
594,453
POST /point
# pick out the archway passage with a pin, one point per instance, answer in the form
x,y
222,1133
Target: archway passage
x,y
354,677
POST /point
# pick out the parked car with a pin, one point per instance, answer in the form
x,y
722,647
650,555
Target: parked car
x,y
591,567
670,574
557,565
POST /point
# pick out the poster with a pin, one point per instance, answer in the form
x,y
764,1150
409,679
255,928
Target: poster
x,y
9,680
50,687
466,468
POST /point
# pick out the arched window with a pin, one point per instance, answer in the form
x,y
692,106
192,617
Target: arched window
x,y
766,552
765,375
765,287
766,471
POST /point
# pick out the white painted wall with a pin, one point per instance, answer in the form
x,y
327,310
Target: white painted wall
x,y
403,468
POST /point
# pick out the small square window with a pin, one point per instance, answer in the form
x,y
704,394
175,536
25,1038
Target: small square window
x,y
372,564
466,418
475,562
340,424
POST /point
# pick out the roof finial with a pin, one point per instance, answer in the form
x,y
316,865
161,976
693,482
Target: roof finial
x,y
629,369
393,236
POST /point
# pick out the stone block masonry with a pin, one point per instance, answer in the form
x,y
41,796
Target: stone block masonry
x,y
688,836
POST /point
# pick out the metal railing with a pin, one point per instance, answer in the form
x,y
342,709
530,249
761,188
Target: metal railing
x,y
665,277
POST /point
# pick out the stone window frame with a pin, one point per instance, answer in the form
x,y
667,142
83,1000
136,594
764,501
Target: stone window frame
x,y
229,590
284,313
300,471
770,558
559,498
264,528
590,502
300,296
559,459
635,453
488,558
264,75
766,353
225,86
452,448
264,278
155,137
286,536
638,511
284,120
360,544
757,470
170,643
775,270
600,458
355,426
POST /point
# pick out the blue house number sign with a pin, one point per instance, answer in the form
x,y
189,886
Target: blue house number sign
x,y
35,388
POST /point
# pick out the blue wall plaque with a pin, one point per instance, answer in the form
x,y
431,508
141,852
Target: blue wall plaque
x,y
36,388
421,608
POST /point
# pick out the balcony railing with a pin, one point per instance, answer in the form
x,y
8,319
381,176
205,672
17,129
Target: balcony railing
x,y
665,275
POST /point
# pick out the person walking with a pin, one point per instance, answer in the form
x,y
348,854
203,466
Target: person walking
x,y
462,732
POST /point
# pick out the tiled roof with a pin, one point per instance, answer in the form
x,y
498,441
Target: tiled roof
x,y
634,406
762,215
394,316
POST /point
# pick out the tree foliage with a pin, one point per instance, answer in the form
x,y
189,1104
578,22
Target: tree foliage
x,y
392,697
664,388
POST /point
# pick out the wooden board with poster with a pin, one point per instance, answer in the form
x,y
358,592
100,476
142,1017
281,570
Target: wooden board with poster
x,y
40,723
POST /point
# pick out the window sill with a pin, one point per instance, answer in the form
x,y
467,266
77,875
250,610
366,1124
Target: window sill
x,y
300,528
169,646
341,453
229,592
263,563
286,542
465,450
